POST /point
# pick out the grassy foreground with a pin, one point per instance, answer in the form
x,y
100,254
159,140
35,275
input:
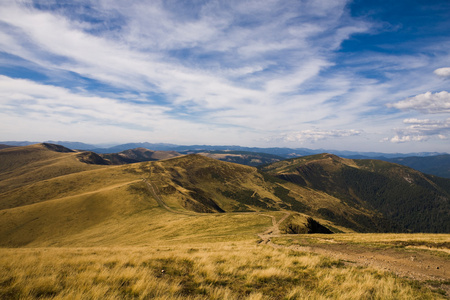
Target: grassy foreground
x,y
239,270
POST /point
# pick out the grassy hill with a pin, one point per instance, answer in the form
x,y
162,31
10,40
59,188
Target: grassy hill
x,y
405,197
181,228
49,194
50,197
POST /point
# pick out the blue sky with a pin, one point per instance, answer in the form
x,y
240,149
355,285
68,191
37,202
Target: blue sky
x,y
346,75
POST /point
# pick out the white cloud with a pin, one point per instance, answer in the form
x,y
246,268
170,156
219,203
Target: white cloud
x,y
314,135
442,72
433,103
29,110
138,56
420,130
24,98
225,70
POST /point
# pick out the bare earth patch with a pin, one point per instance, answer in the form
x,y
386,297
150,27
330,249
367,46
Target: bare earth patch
x,y
411,261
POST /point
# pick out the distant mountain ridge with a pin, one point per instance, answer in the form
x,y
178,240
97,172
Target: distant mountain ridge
x,y
438,166
279,151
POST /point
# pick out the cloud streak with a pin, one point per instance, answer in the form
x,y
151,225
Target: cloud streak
x,y
317,135
234,71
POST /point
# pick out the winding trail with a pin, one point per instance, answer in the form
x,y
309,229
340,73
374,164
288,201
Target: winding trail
x,y
266,236
416,265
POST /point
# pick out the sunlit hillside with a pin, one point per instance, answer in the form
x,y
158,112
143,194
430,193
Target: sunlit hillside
x,y
187,227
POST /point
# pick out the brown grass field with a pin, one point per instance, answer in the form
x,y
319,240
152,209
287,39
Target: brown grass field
x,y
239,270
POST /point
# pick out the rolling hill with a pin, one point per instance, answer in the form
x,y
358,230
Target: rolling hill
x,y
49,195
407,198
52,195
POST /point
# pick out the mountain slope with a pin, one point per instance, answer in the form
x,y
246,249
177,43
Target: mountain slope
x,y
243,157
406,197
138,155
51,195
53,198
202,184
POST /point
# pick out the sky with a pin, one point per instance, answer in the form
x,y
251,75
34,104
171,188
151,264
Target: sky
x,y
346,75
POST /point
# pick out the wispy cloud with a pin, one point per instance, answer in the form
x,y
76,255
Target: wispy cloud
x,y
212,71
316,135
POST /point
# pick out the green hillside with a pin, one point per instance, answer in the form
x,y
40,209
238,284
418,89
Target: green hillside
x,y
438,165
406,198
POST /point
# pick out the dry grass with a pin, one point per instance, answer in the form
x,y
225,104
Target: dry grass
x,y
240,270
439,242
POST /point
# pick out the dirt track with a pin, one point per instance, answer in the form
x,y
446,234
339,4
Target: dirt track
x,y
411,263
418,265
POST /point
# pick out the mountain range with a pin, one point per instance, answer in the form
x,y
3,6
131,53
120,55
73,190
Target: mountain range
x,y
427,162
50,193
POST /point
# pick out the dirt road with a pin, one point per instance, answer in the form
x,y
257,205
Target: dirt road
x,y
432,267
415,264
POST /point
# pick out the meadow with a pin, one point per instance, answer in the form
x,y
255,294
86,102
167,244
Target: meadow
x,y
220,270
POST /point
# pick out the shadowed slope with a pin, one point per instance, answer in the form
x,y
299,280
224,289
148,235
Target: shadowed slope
x,y
415,201
138,155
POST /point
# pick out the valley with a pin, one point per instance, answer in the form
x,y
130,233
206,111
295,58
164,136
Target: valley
x,y
192,226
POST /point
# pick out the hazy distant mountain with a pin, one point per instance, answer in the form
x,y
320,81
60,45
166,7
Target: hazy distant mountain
x,y
243,157
438,165
18,143
282,152
73,145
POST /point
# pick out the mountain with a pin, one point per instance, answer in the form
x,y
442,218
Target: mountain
x,y
52,195
128,146
73,145
138,155
2,146
407,198
438,165
277,151
243,157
